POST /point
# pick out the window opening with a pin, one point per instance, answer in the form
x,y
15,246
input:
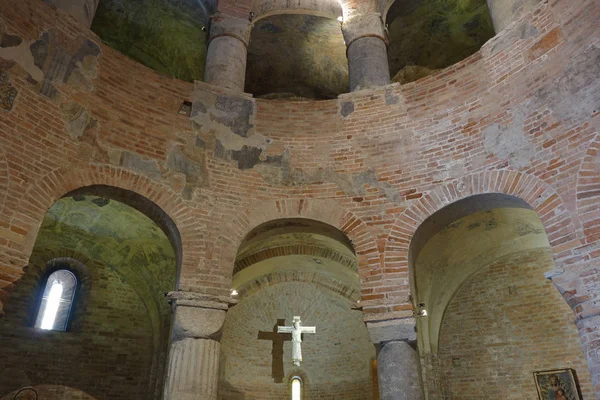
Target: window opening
x,y
296,388
57,299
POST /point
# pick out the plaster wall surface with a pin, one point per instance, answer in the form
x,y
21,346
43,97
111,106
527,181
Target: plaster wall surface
x,y
337,360
519,117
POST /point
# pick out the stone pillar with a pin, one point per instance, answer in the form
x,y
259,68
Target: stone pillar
x,y
82,10
366,49
193,371
505,12
398,366
578,284
227,52
589,331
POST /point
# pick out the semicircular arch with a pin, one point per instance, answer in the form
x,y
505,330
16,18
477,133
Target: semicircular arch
x,y
541,197
156,201
326,211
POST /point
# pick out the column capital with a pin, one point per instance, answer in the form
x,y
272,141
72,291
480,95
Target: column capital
x,y
200,300
364,25
398,329
225,25
197,315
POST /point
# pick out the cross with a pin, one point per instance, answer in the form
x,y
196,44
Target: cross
x,y
277,371
296,330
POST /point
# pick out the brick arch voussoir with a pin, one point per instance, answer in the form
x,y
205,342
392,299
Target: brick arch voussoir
x,y
550,207
588,192
322,210
50,188
4,179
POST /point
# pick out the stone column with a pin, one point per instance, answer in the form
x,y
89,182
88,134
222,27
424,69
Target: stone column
x,y
505,12
578,284
366,49
227,52
82,10
589,331
193,371
398,366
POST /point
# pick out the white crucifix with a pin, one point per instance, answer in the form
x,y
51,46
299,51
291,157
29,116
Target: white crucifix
x,y
296,330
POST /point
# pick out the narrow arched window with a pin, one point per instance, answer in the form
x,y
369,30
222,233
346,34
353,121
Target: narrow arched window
x,y
296,388
56,302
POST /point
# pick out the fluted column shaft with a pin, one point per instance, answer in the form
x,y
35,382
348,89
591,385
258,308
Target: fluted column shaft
x,y
193,372
227,52
366,49
82,10
194,369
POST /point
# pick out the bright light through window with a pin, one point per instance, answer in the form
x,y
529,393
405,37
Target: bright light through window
x,y
296,389
52,305
56,301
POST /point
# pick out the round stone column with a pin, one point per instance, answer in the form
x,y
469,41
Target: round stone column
x,y
227,52
505,12
193,371
578,286
398,364
366,49
82,10
398,371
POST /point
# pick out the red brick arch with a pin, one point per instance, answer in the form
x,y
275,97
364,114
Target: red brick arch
x,y
4,178
588,192
47,190
323,210
560,228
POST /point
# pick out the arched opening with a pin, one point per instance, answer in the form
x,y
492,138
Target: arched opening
x,y
123,251
292,268
484,307
296,388
297,56
426,36
57,299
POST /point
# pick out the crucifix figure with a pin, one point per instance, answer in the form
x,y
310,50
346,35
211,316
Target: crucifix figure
x,y
296,330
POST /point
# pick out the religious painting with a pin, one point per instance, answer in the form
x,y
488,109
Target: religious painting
x,y
558,384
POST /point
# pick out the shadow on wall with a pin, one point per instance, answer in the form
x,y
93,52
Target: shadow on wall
x,y
165,35
429,35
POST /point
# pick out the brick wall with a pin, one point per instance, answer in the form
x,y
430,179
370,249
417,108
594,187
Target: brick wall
x,y
504,323
518,117
107,353
337,360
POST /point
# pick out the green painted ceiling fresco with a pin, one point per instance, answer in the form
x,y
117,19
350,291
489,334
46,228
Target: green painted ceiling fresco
x,y
116,235
299,56
433,34
165,35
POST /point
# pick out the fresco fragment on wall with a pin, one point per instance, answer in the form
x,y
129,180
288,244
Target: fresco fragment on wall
x,y
165,35
429,35
8,92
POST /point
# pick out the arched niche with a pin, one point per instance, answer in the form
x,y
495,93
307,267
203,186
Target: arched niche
x,y
426,36
290,267
483,304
